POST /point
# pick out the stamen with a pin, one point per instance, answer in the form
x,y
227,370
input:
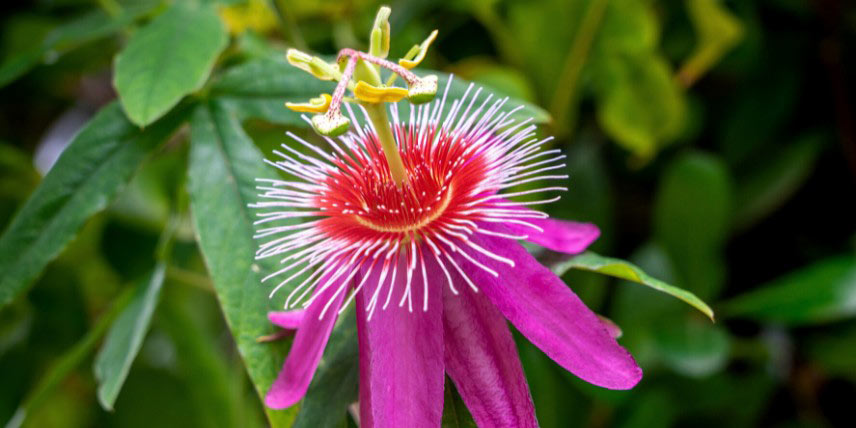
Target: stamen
x,y
359,218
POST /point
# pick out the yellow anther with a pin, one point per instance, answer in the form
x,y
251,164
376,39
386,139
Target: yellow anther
x,y
379,38
330,125
312,65
315,105
423,49
372,94
423,90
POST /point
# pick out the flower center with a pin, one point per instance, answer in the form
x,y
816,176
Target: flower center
x,y
363,200
430,213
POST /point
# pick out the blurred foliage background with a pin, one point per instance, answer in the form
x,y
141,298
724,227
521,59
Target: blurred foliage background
x,y
712,141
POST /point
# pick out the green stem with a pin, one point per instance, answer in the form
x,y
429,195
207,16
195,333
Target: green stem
x,y
380,120
503,37
568,83
289,25
190,278
111,7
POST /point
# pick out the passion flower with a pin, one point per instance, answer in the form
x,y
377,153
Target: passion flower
x,y
410,220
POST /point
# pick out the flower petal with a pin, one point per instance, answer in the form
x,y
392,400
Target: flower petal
x,y
401,355
293,380
482,360
289,320
558,235
552,317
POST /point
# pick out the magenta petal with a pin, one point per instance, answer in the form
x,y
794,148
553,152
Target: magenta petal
x,y
293,380
401,355
558,235
287,319
482,360
552,317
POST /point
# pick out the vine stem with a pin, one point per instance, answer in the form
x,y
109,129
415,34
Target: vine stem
x,y
112,7
566,87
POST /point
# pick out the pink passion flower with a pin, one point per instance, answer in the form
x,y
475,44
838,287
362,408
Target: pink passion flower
x,y
409,219
434,266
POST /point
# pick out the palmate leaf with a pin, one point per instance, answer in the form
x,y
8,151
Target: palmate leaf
x,y
167,59
621,269
224,164
98,162
125,338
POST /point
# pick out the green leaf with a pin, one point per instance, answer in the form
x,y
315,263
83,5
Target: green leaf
x,y
335,384
693,348
459,87
717,32
692,217
167,59
770,184
819,293
639,104
89,173
67,362
628,26
259,89
759,110
224,164
833,349
625,270
651,409
455,412
211,380
125,338
496,77
77,32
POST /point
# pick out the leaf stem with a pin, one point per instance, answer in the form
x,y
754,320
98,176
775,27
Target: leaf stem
x,y
568,83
